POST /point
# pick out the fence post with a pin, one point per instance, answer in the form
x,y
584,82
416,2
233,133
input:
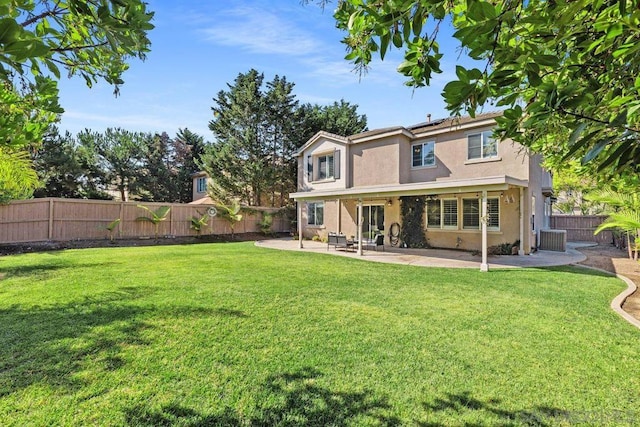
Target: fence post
x,y
171,222
50,233
121,219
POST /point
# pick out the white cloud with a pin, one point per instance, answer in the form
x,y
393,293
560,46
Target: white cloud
x,y
260,31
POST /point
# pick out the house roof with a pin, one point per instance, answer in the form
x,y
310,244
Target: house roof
x,y
452,122
411,132
443,186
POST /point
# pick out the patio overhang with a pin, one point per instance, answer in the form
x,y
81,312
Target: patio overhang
x,y
448,186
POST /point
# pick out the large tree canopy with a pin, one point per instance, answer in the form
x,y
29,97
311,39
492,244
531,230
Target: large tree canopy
x,y
258,127
38,41
565,72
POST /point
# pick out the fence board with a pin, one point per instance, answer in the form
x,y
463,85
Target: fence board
x,y
70,219
580,228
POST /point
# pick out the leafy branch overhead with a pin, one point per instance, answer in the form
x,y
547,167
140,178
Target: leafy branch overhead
x,y
42,40
565,73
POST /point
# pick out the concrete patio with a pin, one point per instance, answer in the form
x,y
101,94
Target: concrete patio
x,y
438,257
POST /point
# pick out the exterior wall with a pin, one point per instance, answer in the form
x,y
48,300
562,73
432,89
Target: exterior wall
x,y
451,159
197,195
539,218
330,223
471,240
376,162
322,146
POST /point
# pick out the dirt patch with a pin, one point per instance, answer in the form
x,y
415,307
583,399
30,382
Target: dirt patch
x,y
19,248
616,261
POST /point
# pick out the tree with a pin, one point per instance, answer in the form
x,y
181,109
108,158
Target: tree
x,y
189,148
238,160
340,118
566,73
39,39
118,153
157,174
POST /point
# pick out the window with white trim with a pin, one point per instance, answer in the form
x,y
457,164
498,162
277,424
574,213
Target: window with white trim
x,y
325,166
322,167
315,213
434,213
423,154
450,213
470,214
481,146
201,185
493,213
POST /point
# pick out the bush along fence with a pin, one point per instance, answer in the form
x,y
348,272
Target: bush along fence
x,y
53,219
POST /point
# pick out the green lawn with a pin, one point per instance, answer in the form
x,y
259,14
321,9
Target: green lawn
x,y
231,334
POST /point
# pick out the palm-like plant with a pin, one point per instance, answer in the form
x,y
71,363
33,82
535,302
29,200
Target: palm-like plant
x,y
198,223
230,212
623,214
111,227
157,216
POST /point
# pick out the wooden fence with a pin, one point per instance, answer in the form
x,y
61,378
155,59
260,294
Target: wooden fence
x,y
580,228
53,219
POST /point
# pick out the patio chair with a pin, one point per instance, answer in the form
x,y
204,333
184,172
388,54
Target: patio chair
x,y
377,241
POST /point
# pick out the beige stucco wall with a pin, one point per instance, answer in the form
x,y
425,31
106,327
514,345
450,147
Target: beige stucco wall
x,y
376,162
451,159
471,240
195,194
322,146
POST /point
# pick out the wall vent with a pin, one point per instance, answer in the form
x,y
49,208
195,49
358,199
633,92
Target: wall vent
x,y
553,240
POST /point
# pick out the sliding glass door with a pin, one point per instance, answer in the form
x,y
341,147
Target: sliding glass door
x,y
373,221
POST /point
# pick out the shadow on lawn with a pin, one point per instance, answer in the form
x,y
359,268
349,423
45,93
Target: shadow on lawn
x,y
43,269
464,404
295,399
50,344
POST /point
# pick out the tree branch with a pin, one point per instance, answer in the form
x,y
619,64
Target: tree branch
x,y
55,12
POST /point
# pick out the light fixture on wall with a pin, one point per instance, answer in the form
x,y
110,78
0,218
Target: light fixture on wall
x,y
390,202
432,197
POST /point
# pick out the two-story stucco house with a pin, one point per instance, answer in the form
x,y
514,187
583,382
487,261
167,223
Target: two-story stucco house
x,y
479,192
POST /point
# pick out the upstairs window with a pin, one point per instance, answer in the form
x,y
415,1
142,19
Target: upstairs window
x,y
481,146
323,166
423,154
326,166
201,185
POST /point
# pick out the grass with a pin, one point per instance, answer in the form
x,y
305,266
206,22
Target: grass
x,y
231,334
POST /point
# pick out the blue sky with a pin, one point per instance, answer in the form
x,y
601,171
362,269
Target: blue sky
x,y
200,46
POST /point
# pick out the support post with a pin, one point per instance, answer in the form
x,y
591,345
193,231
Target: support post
x,y
521,209
338,225
483,223
299,209
359,221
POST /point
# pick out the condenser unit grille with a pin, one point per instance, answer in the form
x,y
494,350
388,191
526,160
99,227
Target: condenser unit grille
x,y
553,240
